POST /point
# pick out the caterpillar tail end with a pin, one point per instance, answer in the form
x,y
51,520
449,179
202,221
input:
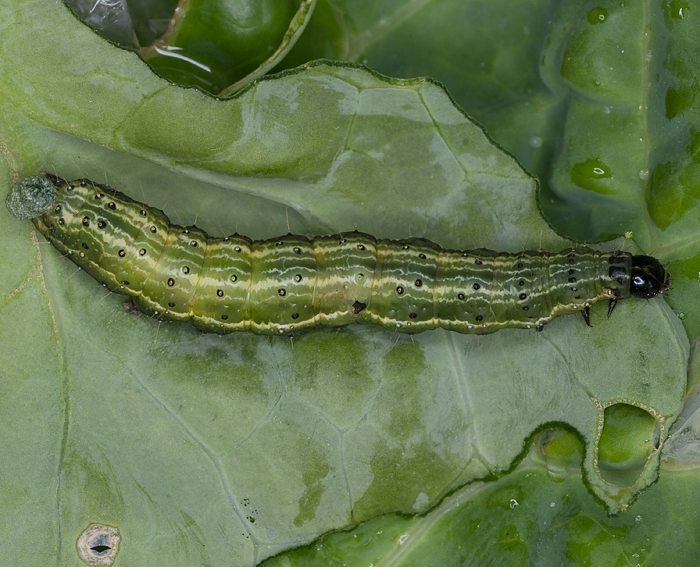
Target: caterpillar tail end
x,y
32,196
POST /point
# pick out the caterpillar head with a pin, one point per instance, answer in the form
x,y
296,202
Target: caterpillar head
x,y
648,277
32,196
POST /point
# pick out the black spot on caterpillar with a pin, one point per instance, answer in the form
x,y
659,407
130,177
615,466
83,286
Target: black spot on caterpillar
x,y
291,283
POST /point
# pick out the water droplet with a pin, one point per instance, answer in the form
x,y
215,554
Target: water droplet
x,y
589,174
638,518
644,174
403,538
594,168
597,15
677,9
513,503
535,141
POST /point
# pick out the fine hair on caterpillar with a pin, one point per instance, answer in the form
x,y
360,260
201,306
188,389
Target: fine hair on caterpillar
x,y
293,282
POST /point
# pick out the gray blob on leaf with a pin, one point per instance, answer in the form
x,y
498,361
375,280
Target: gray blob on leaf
x,y
31,197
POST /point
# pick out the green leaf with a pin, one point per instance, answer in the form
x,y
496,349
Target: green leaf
x,y
534,515
203,449
219,46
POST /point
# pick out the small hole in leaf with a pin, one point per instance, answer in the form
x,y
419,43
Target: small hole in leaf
x,y
100,548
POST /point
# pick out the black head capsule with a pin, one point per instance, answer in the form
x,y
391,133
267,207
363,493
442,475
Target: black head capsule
x,y
648,277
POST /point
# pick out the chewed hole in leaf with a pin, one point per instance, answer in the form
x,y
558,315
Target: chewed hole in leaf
x,y
98,544
100,549
561,450
630,435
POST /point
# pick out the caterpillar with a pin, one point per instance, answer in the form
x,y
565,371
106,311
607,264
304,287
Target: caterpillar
x,y
293,282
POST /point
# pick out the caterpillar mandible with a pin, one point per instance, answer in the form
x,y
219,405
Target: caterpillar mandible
x,y
293,282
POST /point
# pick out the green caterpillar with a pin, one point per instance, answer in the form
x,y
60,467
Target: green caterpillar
x,y
293,282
